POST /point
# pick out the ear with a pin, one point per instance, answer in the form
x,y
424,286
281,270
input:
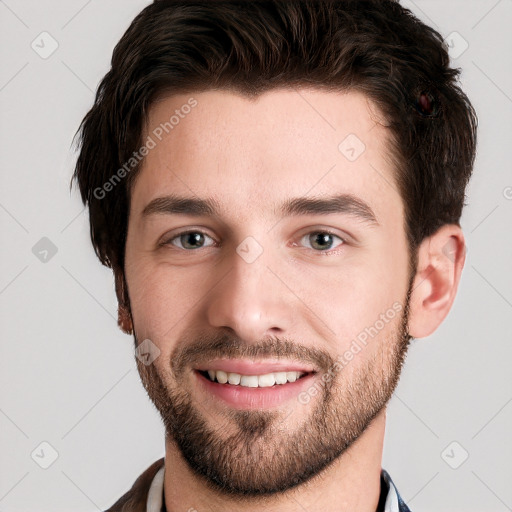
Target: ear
x,y
440,261
124,316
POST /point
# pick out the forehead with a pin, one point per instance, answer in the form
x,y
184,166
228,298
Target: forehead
x,y
251,153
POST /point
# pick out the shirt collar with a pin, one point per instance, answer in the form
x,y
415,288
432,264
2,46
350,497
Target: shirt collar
x,y
391,504
154,503
156,492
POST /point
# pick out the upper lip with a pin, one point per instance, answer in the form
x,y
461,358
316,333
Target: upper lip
x,y
254,367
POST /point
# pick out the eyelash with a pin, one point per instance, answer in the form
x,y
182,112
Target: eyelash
x,y
316,231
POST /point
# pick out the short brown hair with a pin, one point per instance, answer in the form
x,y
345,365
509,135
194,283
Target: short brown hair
x,y
373,46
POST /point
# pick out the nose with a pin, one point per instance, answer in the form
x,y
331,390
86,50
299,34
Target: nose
x,y
250,299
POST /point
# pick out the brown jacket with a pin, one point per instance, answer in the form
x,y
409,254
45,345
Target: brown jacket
x,y
135,499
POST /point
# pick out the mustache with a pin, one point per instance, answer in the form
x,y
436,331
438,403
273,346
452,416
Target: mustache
x,y
206,347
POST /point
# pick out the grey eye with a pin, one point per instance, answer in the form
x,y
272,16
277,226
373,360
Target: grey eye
x,y
190,240
322,240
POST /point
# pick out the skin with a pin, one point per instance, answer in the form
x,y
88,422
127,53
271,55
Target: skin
x,y
293,301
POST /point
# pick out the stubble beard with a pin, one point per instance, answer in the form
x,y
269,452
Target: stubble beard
x,y
250,453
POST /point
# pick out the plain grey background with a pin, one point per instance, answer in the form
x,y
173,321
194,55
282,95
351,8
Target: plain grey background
x,y
68,377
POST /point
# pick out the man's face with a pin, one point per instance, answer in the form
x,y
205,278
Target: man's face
x,y
325,289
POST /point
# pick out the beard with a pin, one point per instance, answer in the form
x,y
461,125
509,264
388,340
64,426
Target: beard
x,y
249,453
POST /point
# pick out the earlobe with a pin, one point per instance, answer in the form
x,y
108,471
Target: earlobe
x,y
124,320
440,261
124,317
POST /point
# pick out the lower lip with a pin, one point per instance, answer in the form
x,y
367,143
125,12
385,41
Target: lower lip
x,y
243,397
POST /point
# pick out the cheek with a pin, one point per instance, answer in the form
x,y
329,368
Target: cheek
x,y
362,298
162,298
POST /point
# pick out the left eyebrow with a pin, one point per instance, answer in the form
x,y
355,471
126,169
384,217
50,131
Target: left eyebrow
x,y
341,203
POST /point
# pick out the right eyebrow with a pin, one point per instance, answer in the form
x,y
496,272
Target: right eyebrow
x,y
181,205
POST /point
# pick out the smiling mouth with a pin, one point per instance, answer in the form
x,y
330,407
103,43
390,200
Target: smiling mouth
x,y
271,379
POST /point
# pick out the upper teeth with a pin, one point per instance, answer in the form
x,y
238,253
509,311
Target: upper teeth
x,y
254,381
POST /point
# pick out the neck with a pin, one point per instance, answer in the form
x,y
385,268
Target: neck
x,y
351,482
